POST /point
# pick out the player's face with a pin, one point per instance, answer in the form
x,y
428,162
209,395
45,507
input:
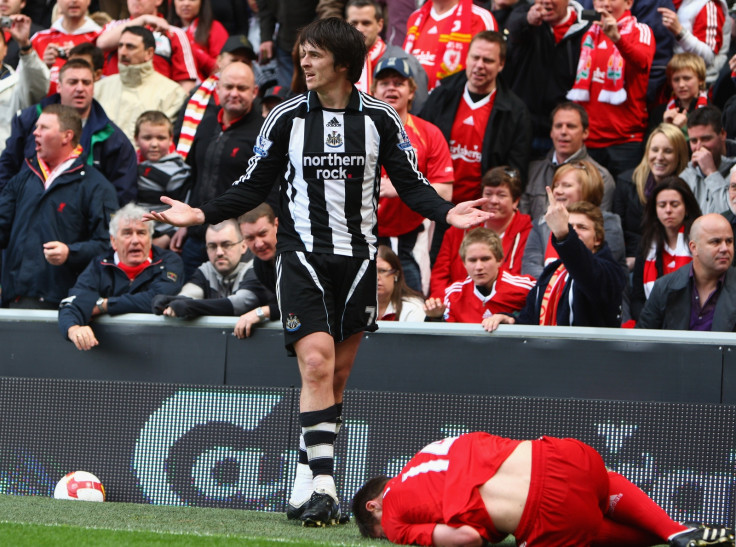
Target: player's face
x,y
132,242
501,204
260,237
319,69
614,7
153,141
386,278
237,89
187,10
712,247
77,88
142,7
74,9
364,19
49,138
685,84
395,90
131,50
11,7
670,209
585,228
483,65
567,189
553,11
567,133
225,248
481,264
704,136
661,156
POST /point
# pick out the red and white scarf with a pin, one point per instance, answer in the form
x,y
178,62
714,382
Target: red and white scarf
x,y
371,60
700,102
613,91
460,35
194,112
552,295
672,259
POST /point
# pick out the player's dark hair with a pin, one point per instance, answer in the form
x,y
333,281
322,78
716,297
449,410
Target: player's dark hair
x,y
252,216
503,176
569,105
344,41
148,39
495,38
69,119
368,491
364,4
708,115
88,48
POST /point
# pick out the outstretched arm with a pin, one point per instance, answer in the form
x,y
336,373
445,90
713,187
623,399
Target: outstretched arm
x,y
179,214
465,215
449,536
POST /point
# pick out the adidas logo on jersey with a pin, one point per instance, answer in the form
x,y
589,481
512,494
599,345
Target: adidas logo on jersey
x,y
333,123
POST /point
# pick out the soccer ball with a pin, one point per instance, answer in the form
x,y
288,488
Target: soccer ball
x,y
79,485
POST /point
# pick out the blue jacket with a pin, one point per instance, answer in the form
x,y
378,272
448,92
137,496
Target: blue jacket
x,y
596,281
105,145
103,279
75,210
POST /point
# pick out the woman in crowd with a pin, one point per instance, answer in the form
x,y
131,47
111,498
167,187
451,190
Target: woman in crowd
x,y
396,300
665,155
573,182
502,187
669,213
206,35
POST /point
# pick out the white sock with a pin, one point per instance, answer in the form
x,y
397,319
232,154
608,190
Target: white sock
x,y
325,484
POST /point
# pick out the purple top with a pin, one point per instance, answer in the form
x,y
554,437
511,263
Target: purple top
x,y
701,317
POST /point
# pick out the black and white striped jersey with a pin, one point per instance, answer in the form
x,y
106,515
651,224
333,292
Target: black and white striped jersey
x,y
328,164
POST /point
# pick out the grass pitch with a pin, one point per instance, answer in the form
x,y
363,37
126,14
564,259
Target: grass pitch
x,y
40,521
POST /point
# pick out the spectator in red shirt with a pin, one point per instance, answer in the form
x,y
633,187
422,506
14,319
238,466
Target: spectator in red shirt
x,y
394,83
206,36
487,290
502,187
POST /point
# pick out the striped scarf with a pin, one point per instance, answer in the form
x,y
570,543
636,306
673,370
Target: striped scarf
x,y
672,259
700,102
552,294
591,55
194,112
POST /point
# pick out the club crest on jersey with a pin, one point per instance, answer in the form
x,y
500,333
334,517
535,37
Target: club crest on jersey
x,y
293,323
262,146
334,140
334,123
404,142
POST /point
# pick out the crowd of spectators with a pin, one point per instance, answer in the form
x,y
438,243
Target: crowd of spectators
x,y
597,137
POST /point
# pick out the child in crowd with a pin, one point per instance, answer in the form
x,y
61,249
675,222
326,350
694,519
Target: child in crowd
x,y
488,289
686,77
161,171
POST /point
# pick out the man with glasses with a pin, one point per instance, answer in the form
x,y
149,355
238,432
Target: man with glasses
x,y
218,285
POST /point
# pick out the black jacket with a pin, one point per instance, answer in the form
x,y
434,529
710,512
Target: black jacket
x,y
508,135
537,69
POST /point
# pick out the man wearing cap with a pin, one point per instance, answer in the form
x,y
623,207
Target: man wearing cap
x,y
203,99
276,94
393,83
367,17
